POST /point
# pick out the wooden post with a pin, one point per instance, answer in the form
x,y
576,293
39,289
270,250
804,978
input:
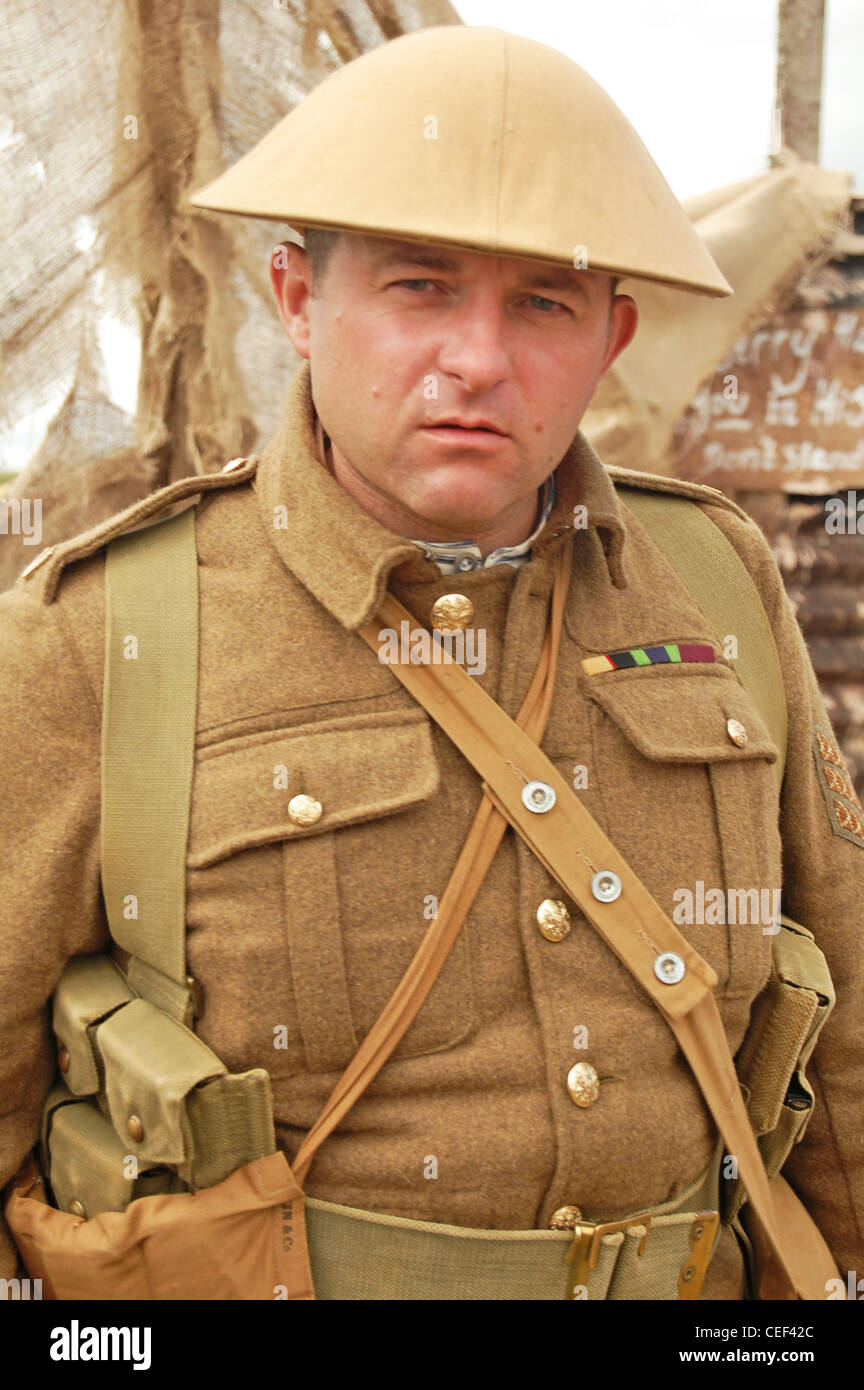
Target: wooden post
x,y
800,31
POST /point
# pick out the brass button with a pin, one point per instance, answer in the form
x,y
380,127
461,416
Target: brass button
x,y
77,1209
135,1128
304,810
63,1059
43,555
233,465
736,731
565,1218
553,919
583,1084
451,613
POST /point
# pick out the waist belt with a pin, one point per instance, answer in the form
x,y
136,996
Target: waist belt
x,y
653,1254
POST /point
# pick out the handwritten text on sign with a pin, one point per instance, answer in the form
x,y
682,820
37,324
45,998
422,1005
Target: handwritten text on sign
x,y
784,410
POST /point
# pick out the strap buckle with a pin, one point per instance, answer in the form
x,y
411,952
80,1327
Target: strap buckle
x,y
584,1251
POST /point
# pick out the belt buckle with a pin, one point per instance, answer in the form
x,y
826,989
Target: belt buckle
x,y
584,1251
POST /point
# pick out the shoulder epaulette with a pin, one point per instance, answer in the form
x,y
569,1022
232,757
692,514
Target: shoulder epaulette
x,y
43,572
677,487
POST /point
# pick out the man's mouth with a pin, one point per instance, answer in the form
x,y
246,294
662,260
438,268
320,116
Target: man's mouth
x,y
457,426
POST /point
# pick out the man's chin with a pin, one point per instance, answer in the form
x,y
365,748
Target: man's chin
x,y
455,519
460,497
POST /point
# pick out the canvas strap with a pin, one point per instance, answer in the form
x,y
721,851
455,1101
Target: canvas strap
x,y
720,582
148,750
573,848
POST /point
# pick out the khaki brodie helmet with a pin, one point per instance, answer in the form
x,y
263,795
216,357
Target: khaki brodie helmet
x,y
476,138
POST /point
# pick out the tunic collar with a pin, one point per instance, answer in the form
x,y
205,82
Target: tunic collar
x,y
344,557
460,557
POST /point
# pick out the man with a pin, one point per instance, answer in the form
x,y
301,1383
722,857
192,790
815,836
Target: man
x,y
470,200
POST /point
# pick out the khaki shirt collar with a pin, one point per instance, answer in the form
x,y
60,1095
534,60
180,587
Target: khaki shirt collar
x,y
344,557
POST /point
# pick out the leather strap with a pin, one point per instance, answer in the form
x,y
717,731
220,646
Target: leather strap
x,y
477,854
573,848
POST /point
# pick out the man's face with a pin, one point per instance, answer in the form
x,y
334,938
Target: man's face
x,y
450,382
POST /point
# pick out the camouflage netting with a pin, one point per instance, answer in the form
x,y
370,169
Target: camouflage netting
x,y
112,114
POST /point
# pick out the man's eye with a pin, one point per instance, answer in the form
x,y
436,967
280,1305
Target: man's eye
x,y
412,284
539,301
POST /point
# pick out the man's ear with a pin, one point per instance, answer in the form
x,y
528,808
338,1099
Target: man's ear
x,y
291,278
622,328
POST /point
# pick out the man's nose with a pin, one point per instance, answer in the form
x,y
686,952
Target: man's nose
x,y
475,348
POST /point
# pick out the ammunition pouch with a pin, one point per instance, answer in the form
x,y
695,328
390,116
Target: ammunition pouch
x,y
143,1106
145,1116
785,1024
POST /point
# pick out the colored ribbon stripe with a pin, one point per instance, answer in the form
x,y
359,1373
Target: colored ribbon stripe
x,y
677,652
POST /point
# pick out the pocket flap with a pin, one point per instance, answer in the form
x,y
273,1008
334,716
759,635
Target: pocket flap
x,y
678,716
87,1161
357,767
151,1064
90,988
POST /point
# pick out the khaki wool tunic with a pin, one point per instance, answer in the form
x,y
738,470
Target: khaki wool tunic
x,y
299,934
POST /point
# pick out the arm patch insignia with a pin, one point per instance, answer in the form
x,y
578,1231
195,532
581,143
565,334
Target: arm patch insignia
x,y
841,800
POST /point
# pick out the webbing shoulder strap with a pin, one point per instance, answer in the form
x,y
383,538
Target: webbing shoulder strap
x,y
720,583
148,750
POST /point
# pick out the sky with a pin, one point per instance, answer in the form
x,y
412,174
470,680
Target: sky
x,y
696,77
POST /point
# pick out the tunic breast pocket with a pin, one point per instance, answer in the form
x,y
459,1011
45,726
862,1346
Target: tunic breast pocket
x,y
687,783
311,844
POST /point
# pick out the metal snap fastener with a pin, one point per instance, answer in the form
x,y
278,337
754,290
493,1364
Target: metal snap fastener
x,y
736,731
304,810
538,796
606,886
77,1209
553,919
565,1218
669,968
135,1128
451,613
465,564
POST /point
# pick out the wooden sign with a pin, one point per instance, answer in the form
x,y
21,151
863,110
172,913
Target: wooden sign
x,y
784,411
